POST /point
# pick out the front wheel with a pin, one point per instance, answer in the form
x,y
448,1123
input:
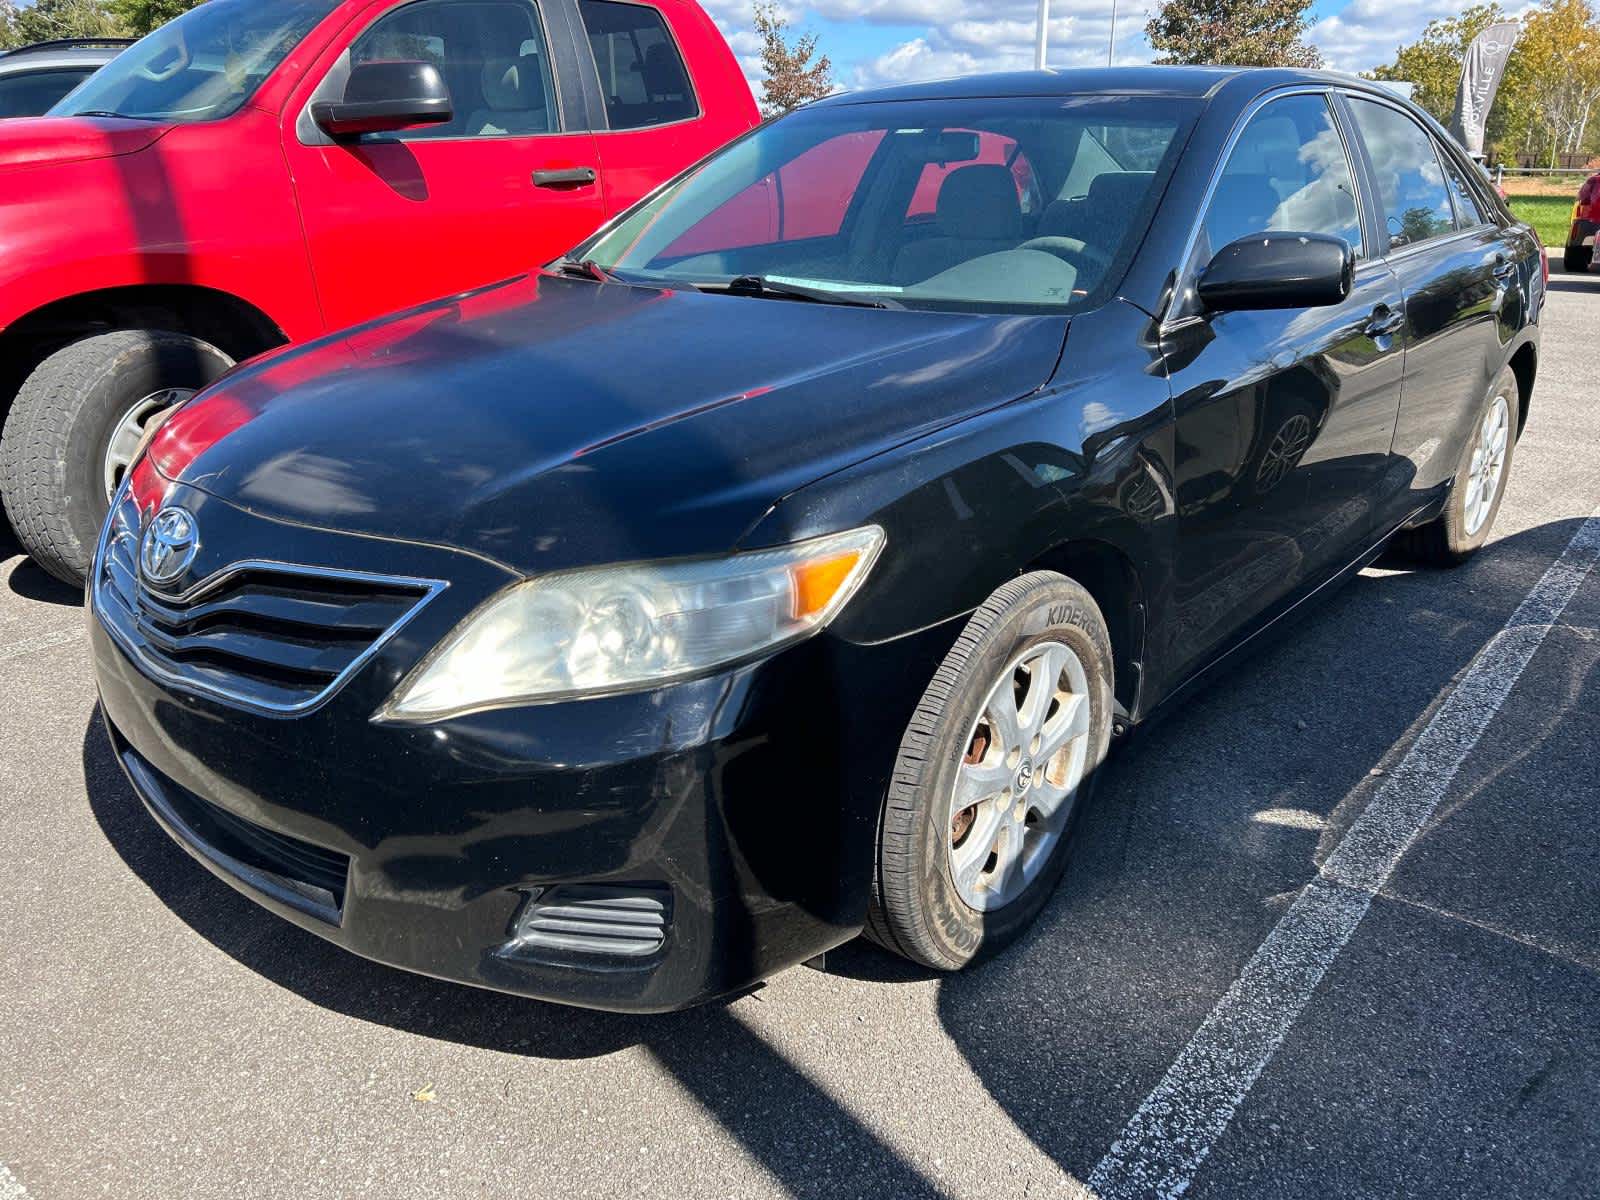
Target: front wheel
x,y
75,428
997,764
1459,532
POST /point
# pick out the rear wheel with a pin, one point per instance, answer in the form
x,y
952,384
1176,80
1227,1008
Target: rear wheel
x,y
1480,483
1577,259
77,425
994,770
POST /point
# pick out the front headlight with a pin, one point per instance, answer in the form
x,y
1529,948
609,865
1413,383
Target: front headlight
x,y
615,629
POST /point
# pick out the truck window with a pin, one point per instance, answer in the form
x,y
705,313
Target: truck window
x,y
642,75
491,54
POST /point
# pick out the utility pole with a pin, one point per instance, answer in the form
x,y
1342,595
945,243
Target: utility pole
x,y
1043,42
1111,48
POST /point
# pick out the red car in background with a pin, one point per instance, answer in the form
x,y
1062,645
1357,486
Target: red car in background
x,y
261,172
1585,223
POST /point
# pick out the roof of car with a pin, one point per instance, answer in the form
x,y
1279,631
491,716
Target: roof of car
x,y
1195,82
71,52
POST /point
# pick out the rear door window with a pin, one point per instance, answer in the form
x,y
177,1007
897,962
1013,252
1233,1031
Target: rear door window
x,y
642,75
1412,191
1469,209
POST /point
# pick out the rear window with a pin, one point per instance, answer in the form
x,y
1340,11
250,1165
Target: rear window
x,y
642,75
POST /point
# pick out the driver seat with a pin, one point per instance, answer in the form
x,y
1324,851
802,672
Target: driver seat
x,y
978,213
513,90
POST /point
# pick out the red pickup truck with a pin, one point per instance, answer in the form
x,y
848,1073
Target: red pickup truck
x,y
1585,226
264,171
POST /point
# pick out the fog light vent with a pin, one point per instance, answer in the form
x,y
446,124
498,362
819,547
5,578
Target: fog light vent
x,y
594,919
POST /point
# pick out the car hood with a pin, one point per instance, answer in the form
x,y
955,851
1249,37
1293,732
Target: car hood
x,y
44,141
550,422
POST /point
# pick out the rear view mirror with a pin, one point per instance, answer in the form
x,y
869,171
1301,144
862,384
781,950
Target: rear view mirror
x,y
382,97
1278,270
956,146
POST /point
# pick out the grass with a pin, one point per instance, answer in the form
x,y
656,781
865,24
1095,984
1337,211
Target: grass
x,y
1545,202
1551,216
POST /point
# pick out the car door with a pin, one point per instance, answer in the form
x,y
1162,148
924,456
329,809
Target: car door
x,y
510,182
1462,295
1285,418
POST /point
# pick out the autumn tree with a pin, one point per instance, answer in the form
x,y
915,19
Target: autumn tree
x,y
1547,100
1246,33
789,76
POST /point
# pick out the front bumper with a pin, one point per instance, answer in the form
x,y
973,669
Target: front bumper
x,y
741,806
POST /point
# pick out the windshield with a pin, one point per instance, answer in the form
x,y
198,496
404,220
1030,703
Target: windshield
x,y
985,204
200,67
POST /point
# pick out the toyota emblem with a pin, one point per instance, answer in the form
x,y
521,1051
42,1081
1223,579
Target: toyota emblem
x,y
170,545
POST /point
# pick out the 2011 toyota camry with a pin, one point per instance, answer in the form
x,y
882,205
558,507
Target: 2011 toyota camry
x,y
785,560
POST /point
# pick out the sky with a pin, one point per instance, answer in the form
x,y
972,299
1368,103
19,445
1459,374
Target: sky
x,y
889,41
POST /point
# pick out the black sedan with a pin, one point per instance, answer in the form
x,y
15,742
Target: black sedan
x,y
785,561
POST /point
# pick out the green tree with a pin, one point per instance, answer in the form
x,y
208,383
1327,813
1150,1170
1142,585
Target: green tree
x,y
48,19
144,15
790,78
1249,33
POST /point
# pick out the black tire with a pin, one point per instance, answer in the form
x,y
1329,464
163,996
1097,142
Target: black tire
x,y
1577,259
1444,541
53,450
916,910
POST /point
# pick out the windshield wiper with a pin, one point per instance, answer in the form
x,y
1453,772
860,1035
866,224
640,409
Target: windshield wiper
x,y
584,268
104,112
761,285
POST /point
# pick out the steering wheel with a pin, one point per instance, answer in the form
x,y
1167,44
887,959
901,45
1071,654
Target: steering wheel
x,y
1074,251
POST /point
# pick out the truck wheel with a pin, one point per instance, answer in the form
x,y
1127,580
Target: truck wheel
x,y
1459,532
1577,259
998,762
76,427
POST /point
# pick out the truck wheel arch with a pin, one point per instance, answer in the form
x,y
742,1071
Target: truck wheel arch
x,y
233,325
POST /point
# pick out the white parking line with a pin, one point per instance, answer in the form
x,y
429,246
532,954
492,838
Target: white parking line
x,y
43,641
1169,1137
10,1189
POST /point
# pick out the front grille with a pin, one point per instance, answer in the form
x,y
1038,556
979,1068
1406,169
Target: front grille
x,y
594,919
274,637
311,878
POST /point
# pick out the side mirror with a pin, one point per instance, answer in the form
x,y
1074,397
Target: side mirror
x,y
1278,270
382,97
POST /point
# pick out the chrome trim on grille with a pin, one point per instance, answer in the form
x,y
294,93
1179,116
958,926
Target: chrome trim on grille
x,y
120,600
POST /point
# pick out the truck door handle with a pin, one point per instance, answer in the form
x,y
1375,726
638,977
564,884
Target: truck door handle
x,y
1384,321
564,177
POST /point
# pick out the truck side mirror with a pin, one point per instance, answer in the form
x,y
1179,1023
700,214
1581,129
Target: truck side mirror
x,y
382,97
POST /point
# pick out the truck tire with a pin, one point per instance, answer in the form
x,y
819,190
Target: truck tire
x,y
1577,259
56,451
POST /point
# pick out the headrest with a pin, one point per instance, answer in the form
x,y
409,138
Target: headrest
x,y
662,72
1119,189
980,203
513,84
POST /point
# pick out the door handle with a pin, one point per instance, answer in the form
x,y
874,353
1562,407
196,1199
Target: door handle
x,y
562,177
1504,266
1384,321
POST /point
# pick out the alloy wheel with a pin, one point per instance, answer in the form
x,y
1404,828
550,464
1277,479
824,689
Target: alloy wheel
x,y
1488,466
1016,786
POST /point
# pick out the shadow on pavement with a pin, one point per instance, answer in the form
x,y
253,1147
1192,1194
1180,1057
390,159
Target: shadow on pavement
x,y
1201,834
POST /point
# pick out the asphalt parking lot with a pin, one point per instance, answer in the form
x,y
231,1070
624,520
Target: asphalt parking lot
x,y
1190,1016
